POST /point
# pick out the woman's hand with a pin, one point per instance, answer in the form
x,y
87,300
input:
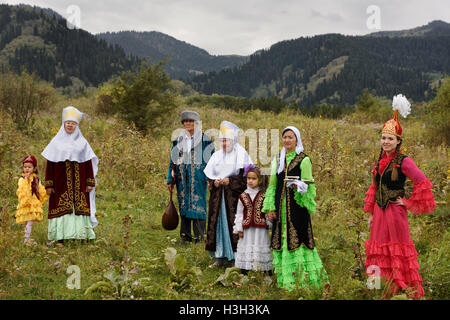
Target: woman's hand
x,y
89,189
272,216
369,223
241,234
399,201
50,191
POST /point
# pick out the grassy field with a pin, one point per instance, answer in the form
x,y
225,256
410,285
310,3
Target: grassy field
x,y
128,259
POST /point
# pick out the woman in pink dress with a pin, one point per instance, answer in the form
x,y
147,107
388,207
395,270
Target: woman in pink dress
x,y
390,248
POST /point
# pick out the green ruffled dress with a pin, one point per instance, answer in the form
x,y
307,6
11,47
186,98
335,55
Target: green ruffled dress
x,y
302,266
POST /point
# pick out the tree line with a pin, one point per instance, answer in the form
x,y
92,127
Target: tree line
x,y
384,65
76,53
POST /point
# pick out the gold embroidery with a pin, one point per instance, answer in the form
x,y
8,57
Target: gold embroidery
x,y
69,180
296,161
294,242
80,197
383,194
253,209
48,183
65,203
276,245
276,236
247,202
180,180
72,113
259,215
77,185
293,237
395,193
192,180
390,127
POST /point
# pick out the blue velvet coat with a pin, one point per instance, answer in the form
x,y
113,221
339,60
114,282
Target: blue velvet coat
x,y
189,176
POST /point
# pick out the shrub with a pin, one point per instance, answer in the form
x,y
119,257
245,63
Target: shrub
x,y
273,104
104,102
437,117
371,109
22,96
327,111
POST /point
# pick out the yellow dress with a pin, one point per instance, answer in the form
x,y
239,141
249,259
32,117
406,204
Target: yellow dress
x,y
29,207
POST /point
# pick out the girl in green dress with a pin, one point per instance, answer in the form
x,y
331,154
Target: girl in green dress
x,y
289,202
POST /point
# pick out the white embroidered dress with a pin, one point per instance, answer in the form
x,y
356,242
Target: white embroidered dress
x,y
253,250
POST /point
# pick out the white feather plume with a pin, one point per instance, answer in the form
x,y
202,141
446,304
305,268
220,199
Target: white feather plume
x,y
401,104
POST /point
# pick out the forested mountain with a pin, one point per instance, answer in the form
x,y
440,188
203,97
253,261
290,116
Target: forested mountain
x,y
40,41
184,59
434,28
334,69
329,68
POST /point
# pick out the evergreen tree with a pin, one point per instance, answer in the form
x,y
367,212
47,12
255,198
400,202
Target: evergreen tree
x,y
144,98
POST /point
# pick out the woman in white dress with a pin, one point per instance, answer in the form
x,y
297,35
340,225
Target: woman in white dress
x,y
225,172
70,179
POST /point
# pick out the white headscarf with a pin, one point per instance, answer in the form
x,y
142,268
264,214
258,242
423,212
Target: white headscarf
x,y
225,164
183,139
73,147
298,148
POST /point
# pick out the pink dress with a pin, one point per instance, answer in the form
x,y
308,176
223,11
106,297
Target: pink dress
x,y
390,246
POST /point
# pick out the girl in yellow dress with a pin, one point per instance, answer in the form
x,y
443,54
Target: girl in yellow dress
x,y
31,196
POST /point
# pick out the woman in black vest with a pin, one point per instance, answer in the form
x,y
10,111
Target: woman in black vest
x,y
289,202
390,252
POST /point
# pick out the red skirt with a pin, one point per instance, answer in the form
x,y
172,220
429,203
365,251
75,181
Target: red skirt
x,y
391,249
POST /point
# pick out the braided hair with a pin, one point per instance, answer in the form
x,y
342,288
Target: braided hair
x,y
396,161
35,187
35,183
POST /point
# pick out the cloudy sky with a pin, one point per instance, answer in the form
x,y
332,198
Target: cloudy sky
x,y
244,26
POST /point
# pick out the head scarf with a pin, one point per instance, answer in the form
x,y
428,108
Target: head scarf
x,y
73,147
298,148
224,164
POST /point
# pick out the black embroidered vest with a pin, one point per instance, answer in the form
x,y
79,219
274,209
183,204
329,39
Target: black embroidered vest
x,y
298,224
388,190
